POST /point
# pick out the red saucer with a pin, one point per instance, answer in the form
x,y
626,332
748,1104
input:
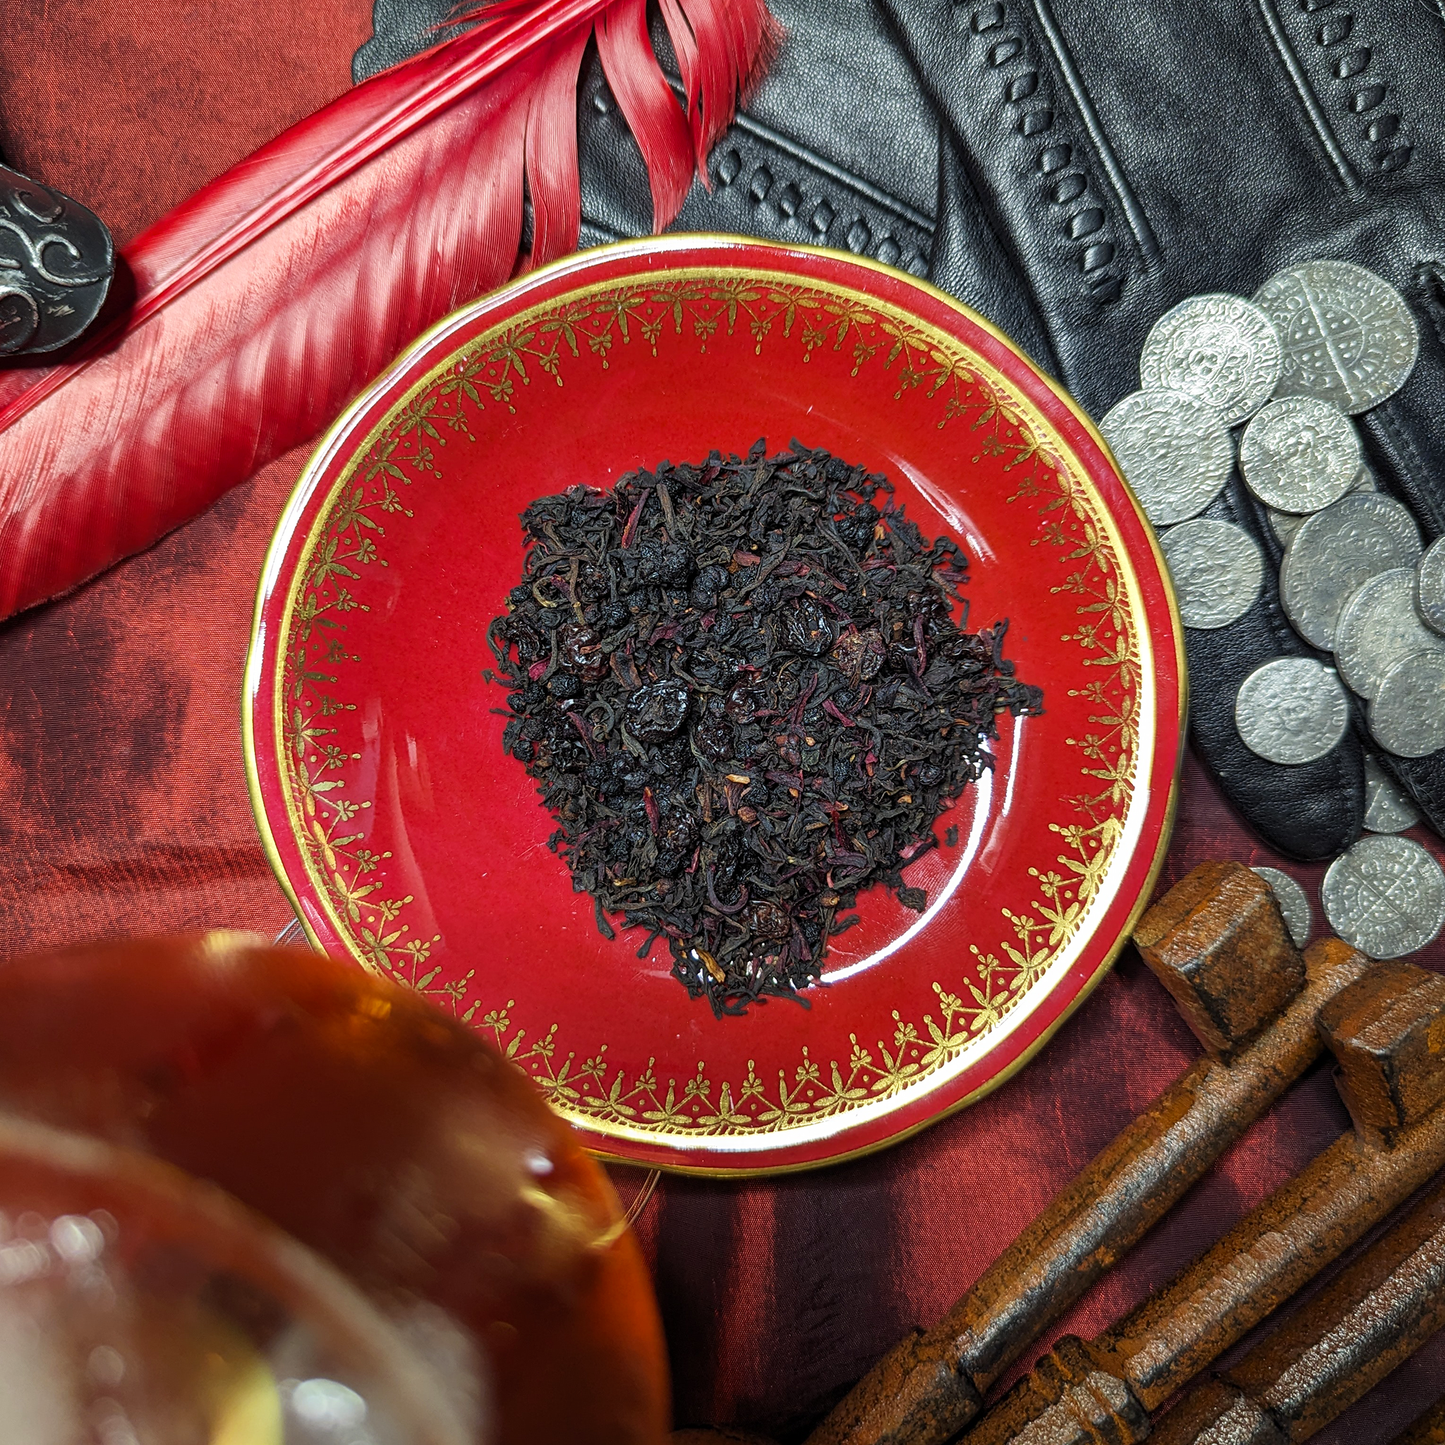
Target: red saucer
x,y
407,839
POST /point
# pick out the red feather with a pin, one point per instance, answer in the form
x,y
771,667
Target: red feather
x,y
647,102
266,300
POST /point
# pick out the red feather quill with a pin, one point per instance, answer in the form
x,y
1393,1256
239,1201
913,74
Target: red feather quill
x,y
266,300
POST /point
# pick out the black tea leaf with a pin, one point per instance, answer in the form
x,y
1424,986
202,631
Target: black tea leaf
x,y
743,693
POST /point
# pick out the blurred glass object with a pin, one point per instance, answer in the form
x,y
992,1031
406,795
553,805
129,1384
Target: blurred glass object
x,y
376,1129
139,1306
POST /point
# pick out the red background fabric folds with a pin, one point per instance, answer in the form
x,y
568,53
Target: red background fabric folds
x,y
123,809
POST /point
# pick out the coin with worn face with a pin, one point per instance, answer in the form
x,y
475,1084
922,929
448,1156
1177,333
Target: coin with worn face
x,y
1219,348
1173,450
1299,454
1386,896
1335,551
1285,524
1388,808
1407,712
1430,586
1292,710
1380,627
1347,335
1294,904
1216,568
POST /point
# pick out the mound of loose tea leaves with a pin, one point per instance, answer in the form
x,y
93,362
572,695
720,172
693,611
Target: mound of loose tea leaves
x,y
742,691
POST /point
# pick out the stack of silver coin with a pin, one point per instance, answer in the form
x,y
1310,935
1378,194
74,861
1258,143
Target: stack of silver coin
x,y
1285,372
1318,344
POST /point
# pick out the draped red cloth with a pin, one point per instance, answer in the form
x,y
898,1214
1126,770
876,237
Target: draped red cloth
x,y
123,809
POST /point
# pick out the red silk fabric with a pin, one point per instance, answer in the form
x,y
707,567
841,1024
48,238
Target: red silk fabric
x,y
123,809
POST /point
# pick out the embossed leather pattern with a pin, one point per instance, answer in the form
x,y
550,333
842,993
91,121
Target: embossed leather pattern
x,y
400,29
815,158
1072,168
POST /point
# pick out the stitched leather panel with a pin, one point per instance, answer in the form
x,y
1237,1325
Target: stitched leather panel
x,y
971,261
765,182
806,162
1183,144
1039,175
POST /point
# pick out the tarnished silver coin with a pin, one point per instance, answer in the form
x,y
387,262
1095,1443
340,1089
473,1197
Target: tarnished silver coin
x,y
1388,808
1285,524
1407,713
1173,450
1219,348
1299,454
1386,896
1292,710
1430,586
1335,551
1216,568
1380,627
1294,904
1347,336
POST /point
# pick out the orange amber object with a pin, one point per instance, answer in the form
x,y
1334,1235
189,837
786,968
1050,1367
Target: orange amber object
x,y
383,1134
140,1304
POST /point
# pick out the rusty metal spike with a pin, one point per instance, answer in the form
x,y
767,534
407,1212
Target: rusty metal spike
x,y
1388,1032
1335,1349
1381,1026
1218,941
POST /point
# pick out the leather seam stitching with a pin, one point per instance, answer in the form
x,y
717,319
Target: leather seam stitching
x,y
1429,281
908,234
798,152
1314,111
1124,194
1403,442
1098,254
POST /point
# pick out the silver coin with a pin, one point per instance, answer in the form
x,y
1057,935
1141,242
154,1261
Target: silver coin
x,y
1294,904
1386,896
1292,710
1299,454
1378,628
1173,451
1285,524
1407,713
1337,550
1430,586
1347,336
1388,808
1217,569
1219,348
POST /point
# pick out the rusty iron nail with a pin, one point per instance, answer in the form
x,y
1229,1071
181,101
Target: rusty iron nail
x,y
1218,942
1332,1351
1385,1030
